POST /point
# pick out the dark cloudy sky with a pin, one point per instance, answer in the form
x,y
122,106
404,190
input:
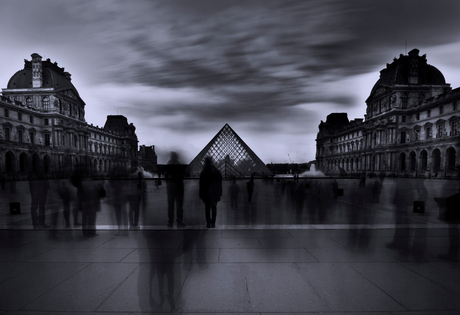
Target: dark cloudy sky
x,y
272,70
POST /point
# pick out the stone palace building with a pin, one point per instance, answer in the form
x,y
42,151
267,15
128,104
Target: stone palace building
x,y
43,128
411,127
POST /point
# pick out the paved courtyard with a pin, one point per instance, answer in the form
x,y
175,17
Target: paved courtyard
x,y
292,250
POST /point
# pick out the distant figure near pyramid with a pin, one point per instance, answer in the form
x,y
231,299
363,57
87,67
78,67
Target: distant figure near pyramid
x,y
230,155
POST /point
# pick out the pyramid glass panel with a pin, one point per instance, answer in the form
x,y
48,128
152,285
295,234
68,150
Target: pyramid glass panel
x,y
230,155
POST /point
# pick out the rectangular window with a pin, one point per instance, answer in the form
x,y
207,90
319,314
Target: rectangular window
x,y
429,133
32,137
454,128
19,116
31,119
47,122
404,102
428,113
7,134
418,116
403,119
441,110
20,136
47,139
403,137
7,112
440,131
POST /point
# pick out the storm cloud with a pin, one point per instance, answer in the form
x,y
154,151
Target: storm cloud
x,y
182,69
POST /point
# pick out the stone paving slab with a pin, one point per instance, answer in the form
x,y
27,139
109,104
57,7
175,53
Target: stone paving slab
x,y
214,271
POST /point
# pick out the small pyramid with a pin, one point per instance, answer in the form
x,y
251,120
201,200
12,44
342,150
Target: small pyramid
x,y
231,156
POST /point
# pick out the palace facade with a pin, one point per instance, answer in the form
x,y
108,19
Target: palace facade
x,y
411,127
43,128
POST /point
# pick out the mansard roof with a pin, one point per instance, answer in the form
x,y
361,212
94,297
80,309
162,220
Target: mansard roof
x,y
53,77
399,71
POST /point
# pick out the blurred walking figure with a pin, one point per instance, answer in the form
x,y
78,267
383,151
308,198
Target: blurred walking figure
x,y
13,184
3,181
135,199
118,198
158,180
234,190
210,190
174,177
88,199
418,247
39,187
250,188
335,188
315,208
64,194
452,204
376,190
299,198
403,198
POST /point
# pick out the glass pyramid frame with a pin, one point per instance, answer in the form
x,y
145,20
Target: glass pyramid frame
x,y
231,156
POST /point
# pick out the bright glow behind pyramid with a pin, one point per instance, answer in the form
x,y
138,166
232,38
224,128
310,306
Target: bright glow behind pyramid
x,y
230,155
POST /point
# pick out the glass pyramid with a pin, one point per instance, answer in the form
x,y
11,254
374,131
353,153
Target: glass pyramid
x,y
230,155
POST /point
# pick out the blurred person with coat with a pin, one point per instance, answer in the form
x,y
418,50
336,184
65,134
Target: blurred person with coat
x,y
118,199
403,198
250,188
174,177
210,190
39,187
234,190
88,195
136,195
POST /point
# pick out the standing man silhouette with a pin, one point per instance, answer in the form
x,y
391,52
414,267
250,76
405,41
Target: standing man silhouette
x,y
174,177
210,190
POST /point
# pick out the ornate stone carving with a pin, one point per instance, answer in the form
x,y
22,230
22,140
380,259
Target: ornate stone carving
x,y
380,90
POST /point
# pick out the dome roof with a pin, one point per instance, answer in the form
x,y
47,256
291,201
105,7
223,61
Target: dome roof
x,y
53,77
400,70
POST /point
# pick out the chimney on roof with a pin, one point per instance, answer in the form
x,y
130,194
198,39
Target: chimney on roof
x,y
413,64
37,73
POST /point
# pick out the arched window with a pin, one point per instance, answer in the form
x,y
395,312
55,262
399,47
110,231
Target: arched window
x,y
423,160
402,161
46,164
451,157
436,160
35,163
10,165
23,163
412,158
